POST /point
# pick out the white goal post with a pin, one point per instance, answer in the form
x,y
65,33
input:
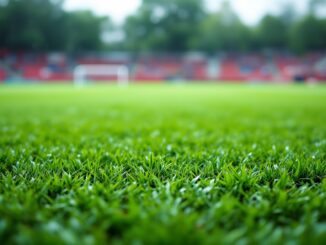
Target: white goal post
x,y
82,71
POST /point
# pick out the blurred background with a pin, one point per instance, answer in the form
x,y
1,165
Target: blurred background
x,y
158,41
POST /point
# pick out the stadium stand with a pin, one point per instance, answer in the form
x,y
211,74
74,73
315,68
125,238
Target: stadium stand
x,y
2,75
156,68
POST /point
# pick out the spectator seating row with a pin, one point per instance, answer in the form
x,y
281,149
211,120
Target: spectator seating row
x,y
253,67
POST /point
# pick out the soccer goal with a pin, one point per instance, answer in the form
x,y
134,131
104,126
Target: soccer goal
x,y
83,72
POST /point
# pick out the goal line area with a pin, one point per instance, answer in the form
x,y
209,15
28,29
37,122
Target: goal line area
x,y
82,72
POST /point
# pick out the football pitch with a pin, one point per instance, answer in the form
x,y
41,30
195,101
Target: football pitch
x,y
163,164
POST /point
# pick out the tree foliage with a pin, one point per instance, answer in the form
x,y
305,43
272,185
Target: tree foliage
x,y
223,31
164,25
272,33
171,25
43,25
309,34
182,25
84,30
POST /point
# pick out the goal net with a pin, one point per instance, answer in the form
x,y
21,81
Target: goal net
x,y
84,73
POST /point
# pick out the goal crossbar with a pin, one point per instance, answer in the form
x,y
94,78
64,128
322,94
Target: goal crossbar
x,y
82,71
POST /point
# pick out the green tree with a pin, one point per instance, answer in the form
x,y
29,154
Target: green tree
x,y
223,31
84,31
309,34
164,25
272,33
32,25
43,25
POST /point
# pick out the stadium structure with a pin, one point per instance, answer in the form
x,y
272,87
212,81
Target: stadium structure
x,y
254,67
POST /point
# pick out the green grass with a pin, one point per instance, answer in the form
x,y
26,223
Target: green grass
x,y
163,164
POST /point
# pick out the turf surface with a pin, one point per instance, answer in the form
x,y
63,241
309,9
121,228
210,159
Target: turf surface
x,y
163,164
